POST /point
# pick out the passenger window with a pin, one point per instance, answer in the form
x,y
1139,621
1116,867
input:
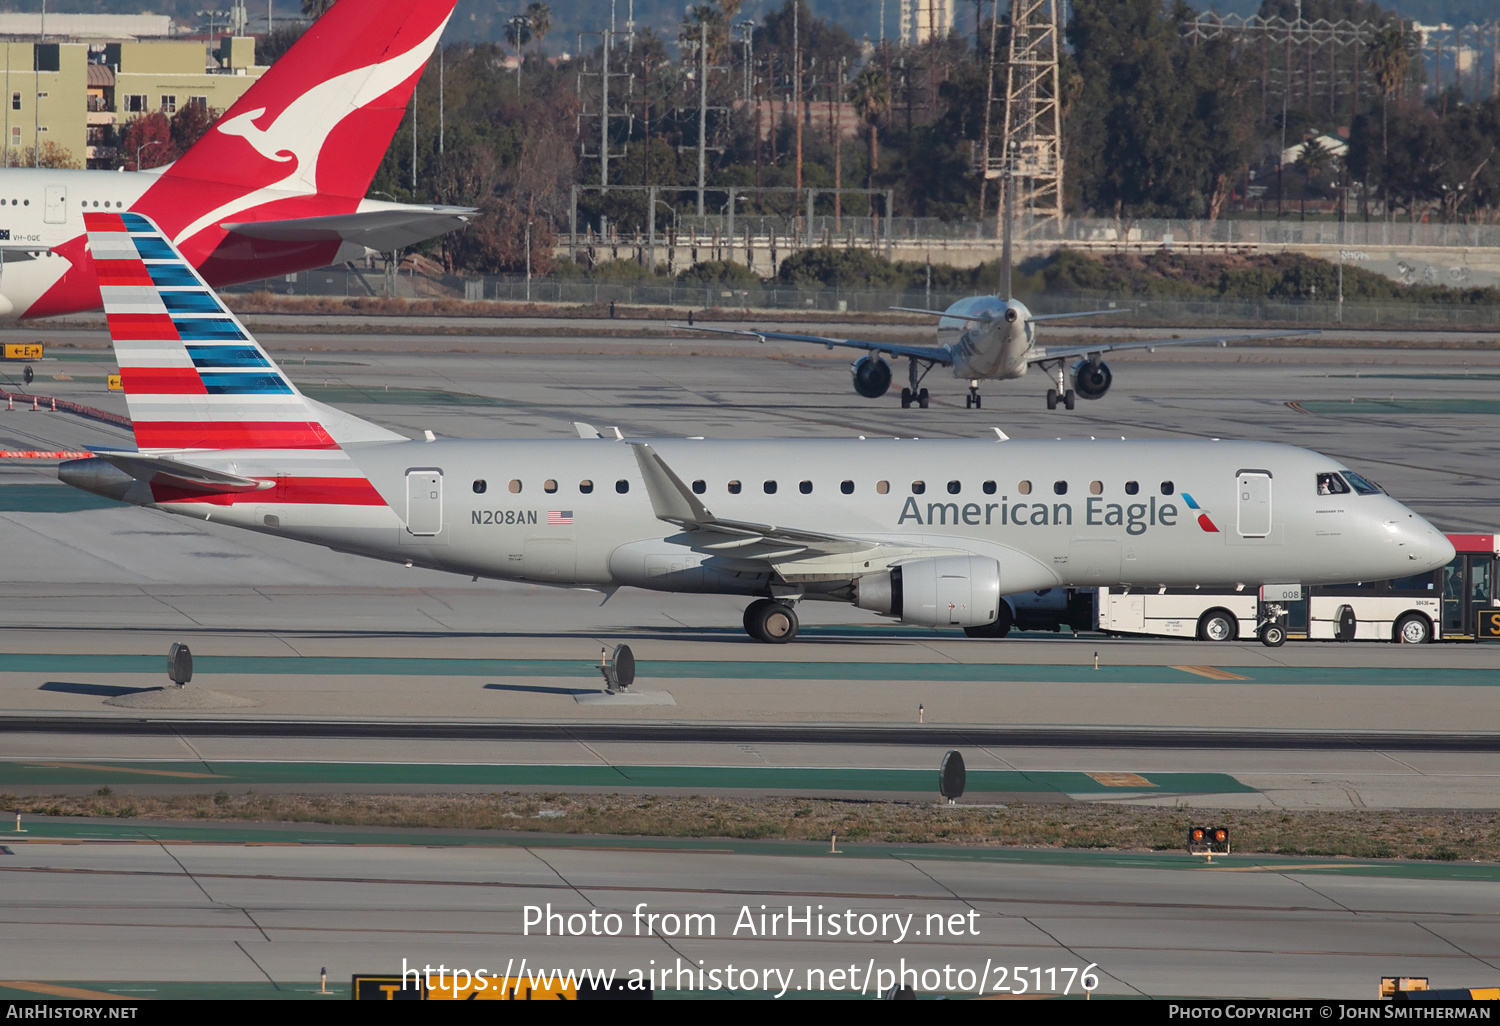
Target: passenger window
x,y
847,487
989,488
515,488
954,487
805,487
699,487
769,487
1059,487
1421,582
1024,487
1096,487
585,486
622,486
479,487
1167,488
1132,487
734,488
549,486
882,487
918,487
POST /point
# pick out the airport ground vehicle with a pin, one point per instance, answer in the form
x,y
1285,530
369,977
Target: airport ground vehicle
x,y
1456,602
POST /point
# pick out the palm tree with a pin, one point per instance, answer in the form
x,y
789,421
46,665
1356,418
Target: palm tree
x,y
1389,60
539,17
518,34
872,98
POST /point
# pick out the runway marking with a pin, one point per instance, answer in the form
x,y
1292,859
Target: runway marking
x,y
66,992
1211,672
123,769
1122,780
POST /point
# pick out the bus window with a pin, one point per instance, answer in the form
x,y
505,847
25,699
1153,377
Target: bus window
x,y
1361,486
1417,582
1331,484
1480,575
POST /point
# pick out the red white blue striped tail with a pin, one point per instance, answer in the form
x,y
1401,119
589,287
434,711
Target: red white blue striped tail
x,y
195,379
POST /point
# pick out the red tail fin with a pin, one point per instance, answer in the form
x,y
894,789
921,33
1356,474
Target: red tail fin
x,y
326,110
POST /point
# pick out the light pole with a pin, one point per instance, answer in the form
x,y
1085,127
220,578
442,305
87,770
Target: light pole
x,y
148,142
528,261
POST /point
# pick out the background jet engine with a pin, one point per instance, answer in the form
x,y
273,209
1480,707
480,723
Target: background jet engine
x,y
946,591
872,376
1092,380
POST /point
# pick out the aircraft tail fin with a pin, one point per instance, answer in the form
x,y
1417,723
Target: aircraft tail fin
x,y
320,119
195,378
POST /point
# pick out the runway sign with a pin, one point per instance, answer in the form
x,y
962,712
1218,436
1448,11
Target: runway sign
x,y
23,350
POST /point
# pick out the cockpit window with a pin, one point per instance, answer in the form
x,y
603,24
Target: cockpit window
x,y
1361,486
1330,483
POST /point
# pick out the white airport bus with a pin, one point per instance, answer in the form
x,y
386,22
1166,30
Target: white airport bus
x,y
1455,603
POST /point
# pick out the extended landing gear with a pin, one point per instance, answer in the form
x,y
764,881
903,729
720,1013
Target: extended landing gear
x,y
771,621
915,393
971,402
1062,393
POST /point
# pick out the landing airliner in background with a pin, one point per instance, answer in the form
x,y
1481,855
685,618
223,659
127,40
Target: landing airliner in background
x,y
276,185
989,338
929,532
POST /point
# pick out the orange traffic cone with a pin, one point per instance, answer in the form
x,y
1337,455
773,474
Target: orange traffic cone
x,y
54,404
33,404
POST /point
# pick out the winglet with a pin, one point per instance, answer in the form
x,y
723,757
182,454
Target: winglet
x,y
671,500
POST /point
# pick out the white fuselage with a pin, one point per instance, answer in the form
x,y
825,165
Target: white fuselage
x,y
995,348
1050,513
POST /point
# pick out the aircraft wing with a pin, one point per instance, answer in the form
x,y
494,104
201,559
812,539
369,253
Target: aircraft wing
x,y
674,502
1042,355
382,230
931,354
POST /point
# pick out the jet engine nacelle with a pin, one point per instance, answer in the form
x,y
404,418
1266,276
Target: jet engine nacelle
x,y
945,591
1092,380
872,376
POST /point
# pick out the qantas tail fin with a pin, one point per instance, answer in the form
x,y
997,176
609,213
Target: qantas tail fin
x,y
195,378
317,123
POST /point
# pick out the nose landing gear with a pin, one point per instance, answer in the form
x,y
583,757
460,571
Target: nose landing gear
x,y
971,402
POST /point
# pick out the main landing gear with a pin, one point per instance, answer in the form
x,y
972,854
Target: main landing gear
x,y
971,401
914,393
1062,393
771,621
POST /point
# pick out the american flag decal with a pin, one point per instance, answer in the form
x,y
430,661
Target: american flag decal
x,y
559,516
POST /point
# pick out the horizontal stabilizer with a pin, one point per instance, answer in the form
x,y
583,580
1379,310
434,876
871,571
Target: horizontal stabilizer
x,y
163,470
383,229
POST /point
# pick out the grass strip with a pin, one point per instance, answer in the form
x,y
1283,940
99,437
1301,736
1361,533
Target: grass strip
x,y
1440,835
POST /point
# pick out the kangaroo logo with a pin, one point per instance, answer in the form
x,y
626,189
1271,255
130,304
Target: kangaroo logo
x,y
295,135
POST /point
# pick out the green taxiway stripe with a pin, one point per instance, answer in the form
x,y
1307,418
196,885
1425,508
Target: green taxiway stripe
x,y
48,772
750,669
105,830
50,498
